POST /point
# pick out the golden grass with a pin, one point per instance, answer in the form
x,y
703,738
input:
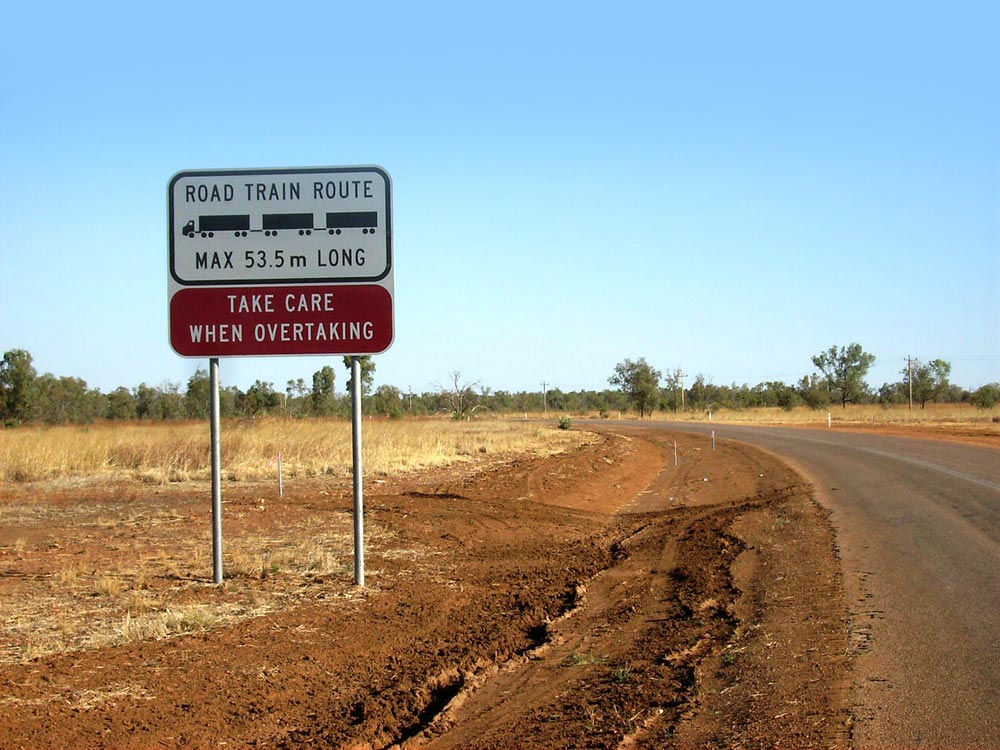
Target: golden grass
x,y
153,594
933,414
170,452
98,572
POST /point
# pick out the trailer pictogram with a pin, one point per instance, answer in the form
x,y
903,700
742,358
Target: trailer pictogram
x,y
271,224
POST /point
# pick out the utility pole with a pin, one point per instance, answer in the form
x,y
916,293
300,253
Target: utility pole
x,y
681,376
909,367
545,399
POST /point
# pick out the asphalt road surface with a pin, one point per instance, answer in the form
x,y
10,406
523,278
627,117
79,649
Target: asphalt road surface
x,y
918,525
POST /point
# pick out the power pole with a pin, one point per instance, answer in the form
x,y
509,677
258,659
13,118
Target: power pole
x,y
545,399
681,376
909,367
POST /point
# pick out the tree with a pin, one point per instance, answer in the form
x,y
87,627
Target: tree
x,y
459,396
170,404
813,392
986,396
389,401
670,396
145,401
121,404
17,386
65,399
298,398
367,373
844,369
260,398
929,381
777,393
892,393
322,396
198,397
640,382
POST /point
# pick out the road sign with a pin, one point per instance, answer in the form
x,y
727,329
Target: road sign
x,y
262,320
280,261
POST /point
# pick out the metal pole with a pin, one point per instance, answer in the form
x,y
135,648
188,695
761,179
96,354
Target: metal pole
x,y
216,430
909,377
359,503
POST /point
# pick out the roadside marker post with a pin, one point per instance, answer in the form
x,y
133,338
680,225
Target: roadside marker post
x,y
279,262
281,484
277,461
713,441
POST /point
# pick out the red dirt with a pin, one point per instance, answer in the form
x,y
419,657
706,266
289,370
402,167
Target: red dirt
x,y
600,599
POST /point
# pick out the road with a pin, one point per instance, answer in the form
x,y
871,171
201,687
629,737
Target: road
x,y
918,525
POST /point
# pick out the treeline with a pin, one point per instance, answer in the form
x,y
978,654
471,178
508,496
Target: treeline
x,y
26,396
839,379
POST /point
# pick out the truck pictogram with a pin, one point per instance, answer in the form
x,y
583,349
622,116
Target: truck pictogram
x,y
271,224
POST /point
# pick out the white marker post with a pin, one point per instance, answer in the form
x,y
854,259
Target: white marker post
x,y
281,485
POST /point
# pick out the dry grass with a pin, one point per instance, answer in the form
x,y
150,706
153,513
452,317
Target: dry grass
x,y
953,414
93,558
143,583
82,600
954,420
170,452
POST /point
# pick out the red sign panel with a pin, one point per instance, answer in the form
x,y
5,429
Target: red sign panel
x,y
281,320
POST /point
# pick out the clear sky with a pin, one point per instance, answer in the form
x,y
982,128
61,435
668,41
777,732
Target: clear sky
x,y
728,188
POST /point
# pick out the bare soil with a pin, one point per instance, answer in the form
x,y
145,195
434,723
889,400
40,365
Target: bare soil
x,y
598,599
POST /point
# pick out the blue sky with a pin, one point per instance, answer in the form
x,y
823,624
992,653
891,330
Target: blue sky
x,y
728,188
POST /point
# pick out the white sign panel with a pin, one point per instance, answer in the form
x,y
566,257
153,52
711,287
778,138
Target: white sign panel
x,y
280,226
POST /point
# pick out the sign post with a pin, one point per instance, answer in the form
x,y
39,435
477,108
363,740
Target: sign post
x,y
275,262
359,501
216,437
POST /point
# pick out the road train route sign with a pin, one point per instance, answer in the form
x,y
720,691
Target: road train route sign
x,y
280,261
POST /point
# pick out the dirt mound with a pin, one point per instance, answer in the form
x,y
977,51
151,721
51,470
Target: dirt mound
x,y
603,599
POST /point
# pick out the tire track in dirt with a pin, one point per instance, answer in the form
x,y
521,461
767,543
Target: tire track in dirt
x,y
622,658
666,622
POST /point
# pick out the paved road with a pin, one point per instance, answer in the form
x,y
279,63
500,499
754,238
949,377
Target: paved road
x,y
918,525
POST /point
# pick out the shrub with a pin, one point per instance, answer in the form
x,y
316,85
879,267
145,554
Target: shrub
x,y
987,396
